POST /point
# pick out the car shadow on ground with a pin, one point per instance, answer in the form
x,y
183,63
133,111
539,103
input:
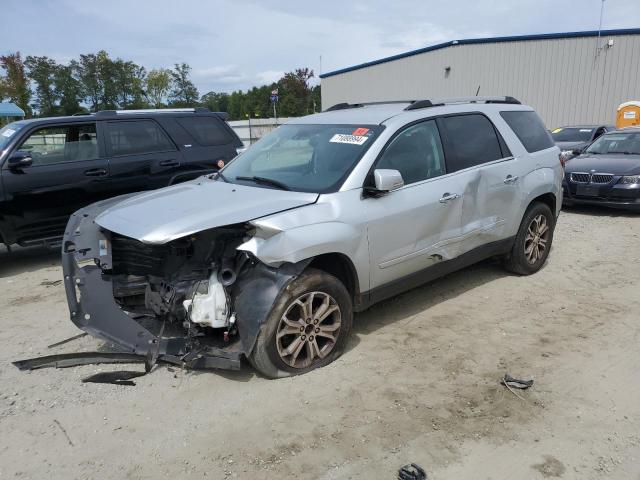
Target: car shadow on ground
x,y
405,305
26,259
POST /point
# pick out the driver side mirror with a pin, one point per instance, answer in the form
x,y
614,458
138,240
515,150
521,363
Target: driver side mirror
x,y
386,180
576,151
20,159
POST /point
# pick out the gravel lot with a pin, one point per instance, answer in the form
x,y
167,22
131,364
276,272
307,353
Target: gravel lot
x,y
419,383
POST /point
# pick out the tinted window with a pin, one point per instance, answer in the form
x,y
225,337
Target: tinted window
x,y
469,140
67,143
531,131
416,153
206,130
140,136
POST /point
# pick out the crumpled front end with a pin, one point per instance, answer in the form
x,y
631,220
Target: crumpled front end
x,y
195,300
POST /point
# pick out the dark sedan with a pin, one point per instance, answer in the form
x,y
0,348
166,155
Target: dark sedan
x,y
577,137
607,172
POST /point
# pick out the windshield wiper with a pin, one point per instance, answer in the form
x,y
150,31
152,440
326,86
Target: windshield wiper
x,y
221,176
624,153
266,181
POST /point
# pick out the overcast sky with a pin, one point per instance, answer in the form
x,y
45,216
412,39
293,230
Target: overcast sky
x,y
237,44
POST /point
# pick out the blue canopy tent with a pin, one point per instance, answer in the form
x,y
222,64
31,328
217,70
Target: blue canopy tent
x,y
10,112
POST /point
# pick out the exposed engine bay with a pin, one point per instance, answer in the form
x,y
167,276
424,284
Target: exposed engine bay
x,y
185,282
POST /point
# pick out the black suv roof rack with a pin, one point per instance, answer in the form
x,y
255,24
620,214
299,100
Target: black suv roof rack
x,y
104,113
459,100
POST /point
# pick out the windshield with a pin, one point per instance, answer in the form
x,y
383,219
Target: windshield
x,y
626,143
7,132
572,134
304,158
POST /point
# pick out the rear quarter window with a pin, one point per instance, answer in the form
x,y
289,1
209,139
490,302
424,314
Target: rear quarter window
x,y
529,129
206,131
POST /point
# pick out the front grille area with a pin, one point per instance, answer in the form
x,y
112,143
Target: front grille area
x,y
578,177
584,177
132,257
601,178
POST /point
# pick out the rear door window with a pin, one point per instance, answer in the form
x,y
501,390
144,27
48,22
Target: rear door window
x,y
207,131
63,143
469,140
137,137
531,131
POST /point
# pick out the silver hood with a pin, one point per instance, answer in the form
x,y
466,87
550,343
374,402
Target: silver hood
x,y
160,216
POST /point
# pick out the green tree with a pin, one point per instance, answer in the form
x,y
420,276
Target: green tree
x,y
216,102
68,88
108,75
158,84
16,84
129,80
42,71
184,92
295,93
86,69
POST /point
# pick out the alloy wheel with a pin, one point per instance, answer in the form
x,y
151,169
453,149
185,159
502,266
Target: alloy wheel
x,y
535,242
308,330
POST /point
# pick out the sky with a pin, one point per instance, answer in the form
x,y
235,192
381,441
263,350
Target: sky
x,y
233,45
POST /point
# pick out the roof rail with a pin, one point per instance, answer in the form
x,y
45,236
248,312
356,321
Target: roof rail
x,y
342,106
458,100
102,113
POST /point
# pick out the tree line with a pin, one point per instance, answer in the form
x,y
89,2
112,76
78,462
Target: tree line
x,y
95,81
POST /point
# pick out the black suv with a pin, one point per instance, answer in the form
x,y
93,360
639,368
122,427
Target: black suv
x,y
51,167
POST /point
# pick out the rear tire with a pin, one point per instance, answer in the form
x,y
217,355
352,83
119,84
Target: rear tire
x,y
533,241
307,328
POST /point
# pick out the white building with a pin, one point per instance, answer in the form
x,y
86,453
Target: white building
x,y
569,78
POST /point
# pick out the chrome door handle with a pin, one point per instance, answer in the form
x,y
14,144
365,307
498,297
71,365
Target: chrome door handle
x,y
448,197
510,179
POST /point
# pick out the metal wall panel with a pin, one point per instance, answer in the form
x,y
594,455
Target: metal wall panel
x,y
567,80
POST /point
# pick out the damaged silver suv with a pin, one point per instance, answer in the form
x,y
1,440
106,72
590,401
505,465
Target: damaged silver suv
x,y
270,258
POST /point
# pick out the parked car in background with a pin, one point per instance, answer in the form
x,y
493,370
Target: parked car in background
x,y
571,139
607,173
51,167
324,216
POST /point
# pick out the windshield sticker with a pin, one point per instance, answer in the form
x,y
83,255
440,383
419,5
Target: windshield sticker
x,y
8,132
360,131
585,129
557,130
350,139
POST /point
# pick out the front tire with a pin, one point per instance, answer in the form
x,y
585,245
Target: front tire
x,y
533,241
307,328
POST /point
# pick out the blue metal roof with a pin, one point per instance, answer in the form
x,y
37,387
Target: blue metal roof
x,y
471,41
10,110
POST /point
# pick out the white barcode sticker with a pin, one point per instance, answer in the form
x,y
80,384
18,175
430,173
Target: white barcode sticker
x,y
8,132
350,139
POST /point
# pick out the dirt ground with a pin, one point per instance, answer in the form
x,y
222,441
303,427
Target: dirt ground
x,y
419,383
